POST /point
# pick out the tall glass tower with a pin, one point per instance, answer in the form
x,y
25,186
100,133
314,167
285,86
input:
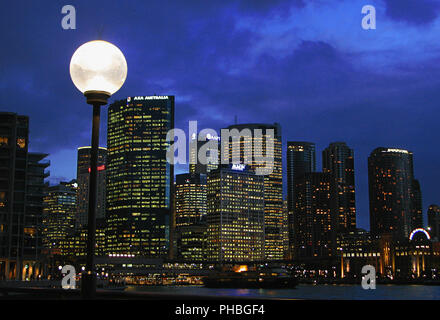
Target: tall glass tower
x,y
338,161
82,177
190,216
273,182
212,155
59,214
301,159
392,198
235,215
314,234
139,178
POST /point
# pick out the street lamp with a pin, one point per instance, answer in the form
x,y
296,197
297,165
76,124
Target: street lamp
x,y
98,69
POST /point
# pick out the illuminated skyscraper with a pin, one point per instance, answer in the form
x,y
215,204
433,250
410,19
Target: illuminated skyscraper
x,y
59,213
273,182
22,185
301,159
314,232
196,147
416,205
139,178
338,161
190,217
434,221
285,228
82,177
75,245
391,186
190,193
191,242
235,215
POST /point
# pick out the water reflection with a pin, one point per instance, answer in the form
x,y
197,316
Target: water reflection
x,y
345,292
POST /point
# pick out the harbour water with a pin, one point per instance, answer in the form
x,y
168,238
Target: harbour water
x,y
303,291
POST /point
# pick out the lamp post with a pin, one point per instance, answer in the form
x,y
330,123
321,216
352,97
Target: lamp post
x,y
98,69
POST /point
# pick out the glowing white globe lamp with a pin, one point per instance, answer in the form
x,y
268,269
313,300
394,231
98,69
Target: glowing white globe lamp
x,y
98,68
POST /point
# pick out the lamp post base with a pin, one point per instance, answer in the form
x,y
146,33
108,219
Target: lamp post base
x,y
88,285
97,97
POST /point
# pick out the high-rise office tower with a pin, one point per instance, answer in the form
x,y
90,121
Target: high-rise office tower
x,y
313,221
211,153
59,214
191,243
301,159
190,217
434,221
338,161
285,230
82,177
35,189
416,205
75,245
22,185
139,177
273,182
190,197
235,214
390,179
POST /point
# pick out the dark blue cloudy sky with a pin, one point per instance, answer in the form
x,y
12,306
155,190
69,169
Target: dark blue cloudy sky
x,y
306,64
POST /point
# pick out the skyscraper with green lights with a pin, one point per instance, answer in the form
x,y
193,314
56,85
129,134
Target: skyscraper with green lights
x,y
139,178
273,182
236,215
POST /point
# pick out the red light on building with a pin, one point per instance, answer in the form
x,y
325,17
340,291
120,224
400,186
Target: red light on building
x,y
100,168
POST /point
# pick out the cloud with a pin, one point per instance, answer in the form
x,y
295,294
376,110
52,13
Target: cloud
x,y
420,12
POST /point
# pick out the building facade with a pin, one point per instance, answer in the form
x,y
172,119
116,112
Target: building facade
x,y
82,177
301,159
416,205
22,185
235,215
390,180
190,217
74,246
434,221
190,197
191,242
139,177
338,161
313,220
59,214
255,144
208,145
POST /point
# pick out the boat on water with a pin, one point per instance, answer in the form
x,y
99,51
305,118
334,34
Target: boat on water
x,y
251,280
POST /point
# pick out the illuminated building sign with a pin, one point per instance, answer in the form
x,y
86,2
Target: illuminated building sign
x,y
396,150
208,137
150,98
411,236
238,167
211,137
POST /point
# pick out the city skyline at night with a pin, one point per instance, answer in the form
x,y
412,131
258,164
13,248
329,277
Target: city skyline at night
x,y
325,79
251,151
